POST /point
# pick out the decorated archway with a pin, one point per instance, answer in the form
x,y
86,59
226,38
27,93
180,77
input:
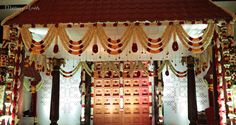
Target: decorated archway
x,y
94,37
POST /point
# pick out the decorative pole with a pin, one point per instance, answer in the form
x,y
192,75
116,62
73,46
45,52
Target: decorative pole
x,y
156,111
88,96
55,94
192,103
215,84
209,79
34,100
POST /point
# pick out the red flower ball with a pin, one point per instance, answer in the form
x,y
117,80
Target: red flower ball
x,y
56,48
95,48
134,47
175,46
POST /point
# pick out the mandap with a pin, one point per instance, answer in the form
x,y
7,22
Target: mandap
x,y
118,63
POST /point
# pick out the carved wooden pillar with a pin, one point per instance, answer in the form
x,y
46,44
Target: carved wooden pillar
x,y
192,103
55,94
88,96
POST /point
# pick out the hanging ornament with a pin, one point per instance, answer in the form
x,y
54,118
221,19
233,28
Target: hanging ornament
x,y
134,47
95,45
56,47
95,48
167,71
175,46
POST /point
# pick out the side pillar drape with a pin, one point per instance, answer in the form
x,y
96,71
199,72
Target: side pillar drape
x,y
55,94
192,103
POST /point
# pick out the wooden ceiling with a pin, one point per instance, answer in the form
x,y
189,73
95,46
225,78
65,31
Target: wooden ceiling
x,y
8,7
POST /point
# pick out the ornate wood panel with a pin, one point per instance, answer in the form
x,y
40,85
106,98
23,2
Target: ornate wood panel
x,y
119,98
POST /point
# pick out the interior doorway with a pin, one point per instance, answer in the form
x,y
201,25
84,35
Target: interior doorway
x,y
121,97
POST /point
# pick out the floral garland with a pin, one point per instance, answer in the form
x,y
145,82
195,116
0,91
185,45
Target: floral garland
x,y
9,43
76,47
138,65
196,45
38,47
154,45
83,91
71,73
176,72
16,79
31,88
226,38
220,74
2,91
158,90
114,47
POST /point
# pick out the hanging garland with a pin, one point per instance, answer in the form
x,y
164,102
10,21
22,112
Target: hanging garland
x,y
71,73
195,45
16,79
76,47
154,45
138,65
83,91
114,47
31,88
2,91
40,46
176,72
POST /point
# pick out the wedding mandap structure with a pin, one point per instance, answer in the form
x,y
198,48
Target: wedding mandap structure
x,y
113,62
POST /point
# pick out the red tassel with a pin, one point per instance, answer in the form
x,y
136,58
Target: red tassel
x,y
134,47
95,48
175,46
56,48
